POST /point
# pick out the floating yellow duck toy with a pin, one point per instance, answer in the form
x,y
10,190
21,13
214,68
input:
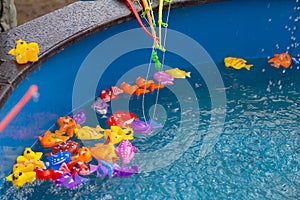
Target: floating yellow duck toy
x,y
89,133
178,73
236,63
19,178
25,52
116,134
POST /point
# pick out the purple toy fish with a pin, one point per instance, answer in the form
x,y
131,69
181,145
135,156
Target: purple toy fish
x,y
126,151
139,126
70,182
103,168
125,171
79,117
100,106
164,78
58,159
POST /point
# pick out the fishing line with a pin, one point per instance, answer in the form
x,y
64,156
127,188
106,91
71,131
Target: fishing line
x,y
163,59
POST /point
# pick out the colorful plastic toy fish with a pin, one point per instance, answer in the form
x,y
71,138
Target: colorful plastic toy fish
x,y
103,168
128,89
125,171
29,154
67,125
25,52
105,152
79,117
83,155
89,133
121,118
142,83
75,167
139,126
126,151
100,106
70,182
164,78
47,174
58,159
178,73
296,60
69,146
19,178
116,134
283,59
52,139
236,63
111,94
156,86
140,91
21,166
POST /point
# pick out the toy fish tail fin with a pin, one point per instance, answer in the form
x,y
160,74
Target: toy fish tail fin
x,y
188,74
12,52
248,67
99,128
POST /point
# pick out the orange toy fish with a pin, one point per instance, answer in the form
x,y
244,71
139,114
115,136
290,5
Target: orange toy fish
x,y
83,155
155,86
67,125
140,91
128,89
105,152
52,139
283,59
142,83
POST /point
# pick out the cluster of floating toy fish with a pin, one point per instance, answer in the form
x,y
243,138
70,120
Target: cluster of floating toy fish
x,y
67,164
279,60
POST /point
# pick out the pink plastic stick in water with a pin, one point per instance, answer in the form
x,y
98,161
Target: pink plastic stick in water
x,y
16,109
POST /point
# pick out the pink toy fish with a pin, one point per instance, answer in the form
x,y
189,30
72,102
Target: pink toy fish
x,y
126,151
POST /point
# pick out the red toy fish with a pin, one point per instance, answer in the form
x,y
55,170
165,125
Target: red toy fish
x,y
75,167
47,174
121,119
69,146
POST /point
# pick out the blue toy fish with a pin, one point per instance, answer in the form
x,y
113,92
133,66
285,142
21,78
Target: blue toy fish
x,y
58,159
103,168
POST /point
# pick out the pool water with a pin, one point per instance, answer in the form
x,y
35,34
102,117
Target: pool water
x,y
255,157
244,148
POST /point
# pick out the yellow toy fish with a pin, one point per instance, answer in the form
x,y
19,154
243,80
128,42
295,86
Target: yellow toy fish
x,y
236,63
25,52
105,152
116,134
89,133
19,178
178,73
28,154
23,168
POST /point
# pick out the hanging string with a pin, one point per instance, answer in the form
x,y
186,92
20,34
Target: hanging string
x,y
163,60
146,79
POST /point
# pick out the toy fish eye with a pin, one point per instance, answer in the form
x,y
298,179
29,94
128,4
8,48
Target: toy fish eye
x,y
14,177
21,42
76,165
28,152
20,173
